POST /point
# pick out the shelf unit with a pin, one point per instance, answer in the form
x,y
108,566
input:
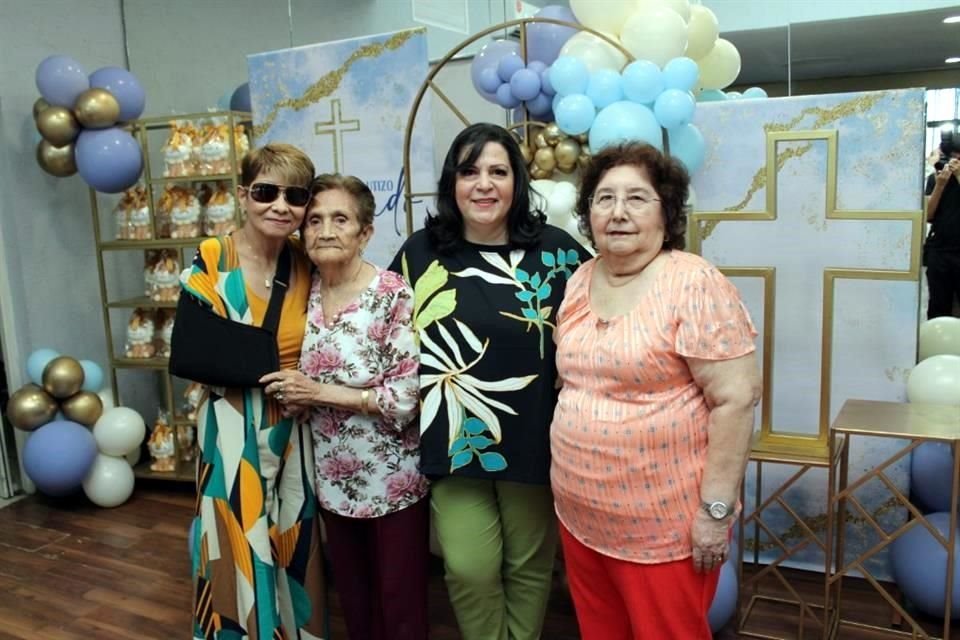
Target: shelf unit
x,y
141,130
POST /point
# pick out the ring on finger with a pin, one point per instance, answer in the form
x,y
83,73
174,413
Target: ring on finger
x,y
279,396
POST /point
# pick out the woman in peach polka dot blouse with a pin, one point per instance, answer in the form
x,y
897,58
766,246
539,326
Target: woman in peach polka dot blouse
x,y
649,441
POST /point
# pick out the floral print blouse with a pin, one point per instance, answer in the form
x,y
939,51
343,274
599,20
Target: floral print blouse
x,y
366,466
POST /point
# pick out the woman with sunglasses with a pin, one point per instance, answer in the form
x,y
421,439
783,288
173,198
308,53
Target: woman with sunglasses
x,y
358,379
653,426
257,558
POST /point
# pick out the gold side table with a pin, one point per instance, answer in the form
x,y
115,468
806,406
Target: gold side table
x,y
813,613
917,423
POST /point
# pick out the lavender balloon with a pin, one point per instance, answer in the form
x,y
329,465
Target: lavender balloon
x,y
525,84
60,79
125,87
109,160
58,455
489,80
540,106
544,40
488,58
505,97
508,66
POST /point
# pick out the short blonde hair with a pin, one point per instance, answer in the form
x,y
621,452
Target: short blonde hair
x,y
291,163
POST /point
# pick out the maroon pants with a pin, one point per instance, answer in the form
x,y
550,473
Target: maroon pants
x,y
380,572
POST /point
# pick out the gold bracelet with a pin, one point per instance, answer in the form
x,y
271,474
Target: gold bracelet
x,y
364,398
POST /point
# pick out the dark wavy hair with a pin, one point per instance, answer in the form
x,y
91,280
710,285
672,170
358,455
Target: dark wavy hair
x,y
668,177
445,226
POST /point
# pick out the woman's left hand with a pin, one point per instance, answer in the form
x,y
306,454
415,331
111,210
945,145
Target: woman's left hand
x,y
291,388
711,542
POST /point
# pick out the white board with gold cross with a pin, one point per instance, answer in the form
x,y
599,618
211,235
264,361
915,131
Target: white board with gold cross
x,y
813,205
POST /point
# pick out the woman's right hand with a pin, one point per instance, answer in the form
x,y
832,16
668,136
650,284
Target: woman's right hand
x,y
943,176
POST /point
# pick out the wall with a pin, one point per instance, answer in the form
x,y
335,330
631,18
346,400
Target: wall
x,y
738,15
927,79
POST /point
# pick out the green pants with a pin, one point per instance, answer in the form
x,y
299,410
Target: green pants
x,y
499,540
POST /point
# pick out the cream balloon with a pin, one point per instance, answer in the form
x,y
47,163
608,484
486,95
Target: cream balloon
x,y
133,458
720,67
681,7
702,31
936,380
109,483
595,52
657,34
603,16
939,336
119,431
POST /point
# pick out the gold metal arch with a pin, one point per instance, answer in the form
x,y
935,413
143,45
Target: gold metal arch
x,y
428,83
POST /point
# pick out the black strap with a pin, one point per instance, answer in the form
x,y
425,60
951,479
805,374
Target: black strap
x,y
281,282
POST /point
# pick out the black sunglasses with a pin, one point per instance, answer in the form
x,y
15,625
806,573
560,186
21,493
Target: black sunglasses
x,y
266,192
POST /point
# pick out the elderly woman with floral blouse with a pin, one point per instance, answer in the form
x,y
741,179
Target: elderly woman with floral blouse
x,y
358,388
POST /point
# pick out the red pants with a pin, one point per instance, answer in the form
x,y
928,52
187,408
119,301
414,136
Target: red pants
x,y
380,572
620,600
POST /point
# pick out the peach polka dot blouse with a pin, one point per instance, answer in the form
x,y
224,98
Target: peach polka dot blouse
x,y
629,435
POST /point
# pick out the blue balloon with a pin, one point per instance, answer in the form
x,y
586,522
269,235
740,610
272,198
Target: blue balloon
x,y
545,40
125,87
711,95
58,455
733,95
725,599
92,376
505,97
537,66
687,146
525,84
575,114
931,467
37,362
508,66
545,84
919,564
240,100
569,75
681,73
60,79
625,122
674,108
555,101
489,81
604,88
540,106
754,93
642,81
488,58
109,160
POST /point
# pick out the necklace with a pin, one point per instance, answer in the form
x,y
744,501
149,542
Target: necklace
x,y
267,281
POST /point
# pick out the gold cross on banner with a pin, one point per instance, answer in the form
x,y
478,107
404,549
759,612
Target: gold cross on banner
x,y
335,128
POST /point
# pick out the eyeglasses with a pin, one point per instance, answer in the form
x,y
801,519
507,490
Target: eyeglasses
x,y
265,193
634,203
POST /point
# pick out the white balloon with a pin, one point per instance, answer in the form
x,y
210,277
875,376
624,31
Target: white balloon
x,y
561,204
595,52
603,16
133,457
939,336
119,431
720,67
106,397
657,34
540,194
109,483
702,31
936,380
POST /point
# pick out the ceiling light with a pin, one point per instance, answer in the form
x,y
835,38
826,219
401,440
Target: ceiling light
x,y
953,60
951,20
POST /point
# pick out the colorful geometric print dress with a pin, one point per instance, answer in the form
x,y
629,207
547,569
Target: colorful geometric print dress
x,y
257,556
485,317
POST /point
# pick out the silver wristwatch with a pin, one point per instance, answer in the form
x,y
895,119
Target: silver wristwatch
x,y
717,510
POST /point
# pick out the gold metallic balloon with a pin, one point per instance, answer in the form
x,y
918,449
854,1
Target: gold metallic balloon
x,y
30,407
84,407
57,161
526,153
540,141
97,109
62,377
39,106
539,174
545,159
583,138
567,151
58,126
583,160
553,134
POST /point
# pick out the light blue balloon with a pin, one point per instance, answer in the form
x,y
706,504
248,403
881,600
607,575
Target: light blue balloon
x,y
505,97
555,101
223,104
711,95
569,75
754,93
489,80
604,88
37,362
687,146
525,84
575,114
674,108
508,66
92,376
545,85
734,95
60,80
725,599
681,73
642,81
625,122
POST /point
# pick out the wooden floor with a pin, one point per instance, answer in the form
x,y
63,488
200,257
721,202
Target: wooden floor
x,y
72,571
